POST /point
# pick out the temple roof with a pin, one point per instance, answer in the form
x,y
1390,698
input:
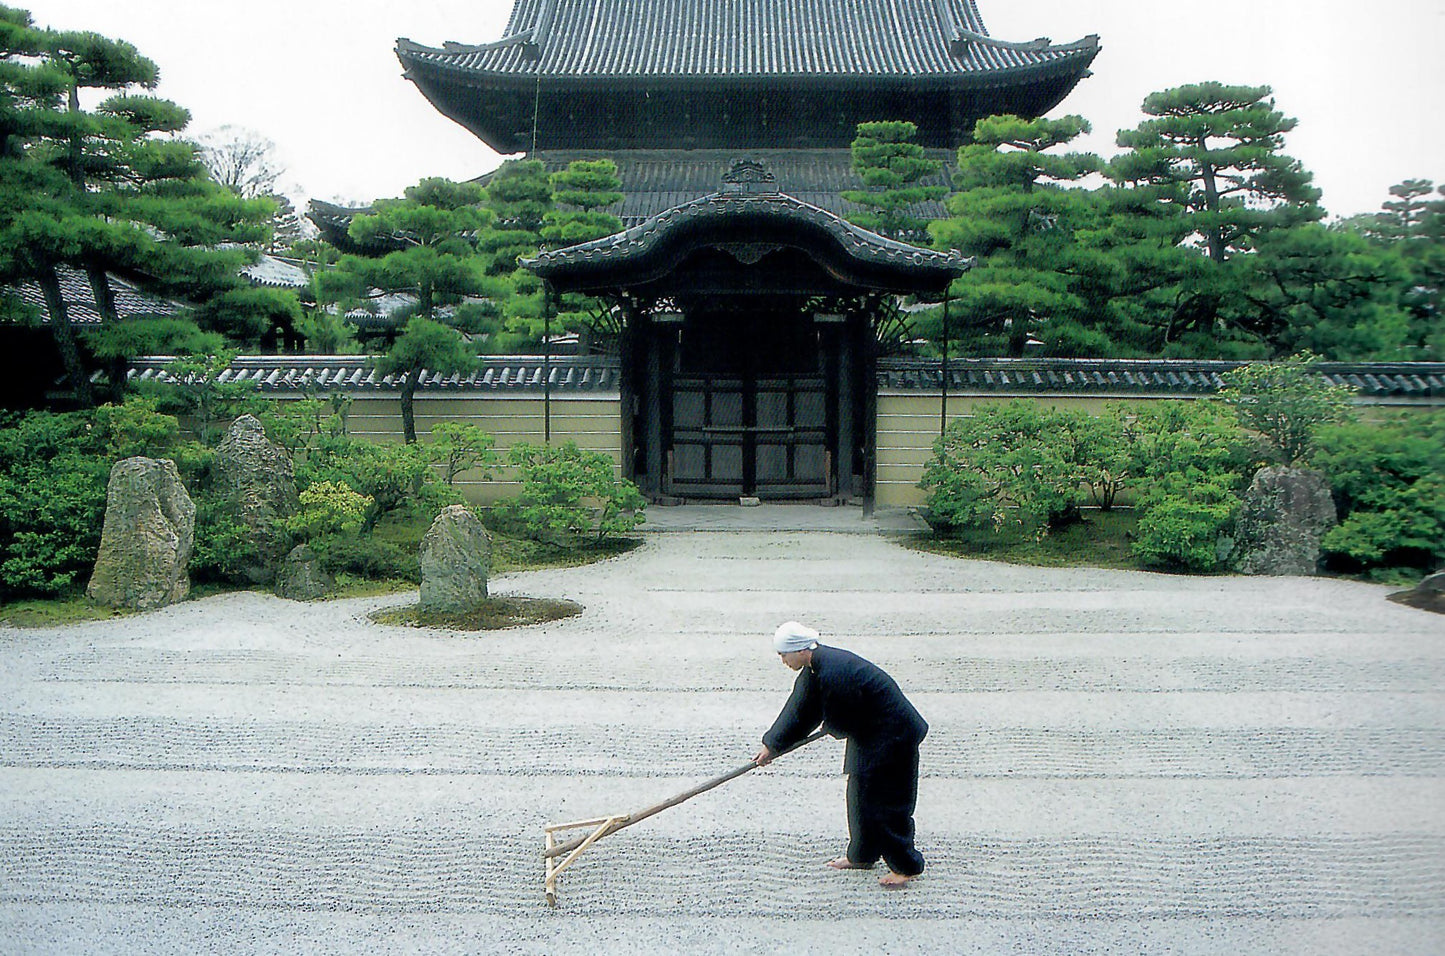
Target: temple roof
x,y
748,219
747,38
130,301
725,73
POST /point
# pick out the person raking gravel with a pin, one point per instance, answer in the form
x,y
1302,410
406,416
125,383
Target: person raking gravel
x,y
855,700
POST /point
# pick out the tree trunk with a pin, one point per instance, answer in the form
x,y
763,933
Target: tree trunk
x,y
408,392
105,305
1213,236
64,334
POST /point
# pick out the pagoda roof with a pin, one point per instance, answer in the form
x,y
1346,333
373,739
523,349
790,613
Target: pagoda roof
x,y
748,38
715,73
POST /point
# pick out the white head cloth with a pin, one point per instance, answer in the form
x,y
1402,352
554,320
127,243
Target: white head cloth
x,y
792,636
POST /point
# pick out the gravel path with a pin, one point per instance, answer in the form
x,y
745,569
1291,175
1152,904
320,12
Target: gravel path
x,y
1118,762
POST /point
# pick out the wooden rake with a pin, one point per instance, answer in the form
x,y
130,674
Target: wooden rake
x,y
559,855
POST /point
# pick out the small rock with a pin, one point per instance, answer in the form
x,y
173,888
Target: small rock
x,y
1428,595
301,576
456,558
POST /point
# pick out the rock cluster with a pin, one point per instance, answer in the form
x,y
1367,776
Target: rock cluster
x,y
1286,512
456,558
146,541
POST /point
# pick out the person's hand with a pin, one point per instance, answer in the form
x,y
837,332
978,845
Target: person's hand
x,y
764,757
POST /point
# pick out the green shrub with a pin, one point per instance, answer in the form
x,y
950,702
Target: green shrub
x,y
1191,462
1187,522
390,475
456,447
1286,403
53,477
568,493
1389,483
225,547
367,556
1018,462
329,508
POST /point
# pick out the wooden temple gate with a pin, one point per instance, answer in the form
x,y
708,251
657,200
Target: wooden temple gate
x,y
749,323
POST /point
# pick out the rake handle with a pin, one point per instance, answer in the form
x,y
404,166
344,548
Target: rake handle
x,y
641,815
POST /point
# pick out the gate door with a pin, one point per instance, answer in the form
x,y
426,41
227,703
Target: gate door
x,y
749,412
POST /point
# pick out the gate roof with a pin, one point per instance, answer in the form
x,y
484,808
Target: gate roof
x,y
748,227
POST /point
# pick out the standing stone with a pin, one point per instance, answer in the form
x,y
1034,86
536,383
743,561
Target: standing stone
x,y
456,557
256,479
145,543
302,578
1286,512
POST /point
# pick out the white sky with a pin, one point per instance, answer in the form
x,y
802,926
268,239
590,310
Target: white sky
x,y
319,78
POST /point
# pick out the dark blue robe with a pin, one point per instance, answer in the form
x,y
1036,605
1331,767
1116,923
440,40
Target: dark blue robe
x,y
854,699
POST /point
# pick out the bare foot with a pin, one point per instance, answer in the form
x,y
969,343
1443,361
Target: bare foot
x,y
843,863
894,881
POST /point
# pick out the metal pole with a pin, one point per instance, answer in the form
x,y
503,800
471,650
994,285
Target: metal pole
x,y
546,363
943,403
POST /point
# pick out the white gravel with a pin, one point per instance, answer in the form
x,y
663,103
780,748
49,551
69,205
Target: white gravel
x,y
1118,762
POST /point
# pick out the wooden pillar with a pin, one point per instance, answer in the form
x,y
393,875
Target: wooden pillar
x,y
846,377
652,392
867,363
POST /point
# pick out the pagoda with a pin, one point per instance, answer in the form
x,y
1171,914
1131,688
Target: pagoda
x,y
675,90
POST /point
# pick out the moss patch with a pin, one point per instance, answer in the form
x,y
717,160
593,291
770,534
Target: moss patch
x,y
491,615
55,612
1101,540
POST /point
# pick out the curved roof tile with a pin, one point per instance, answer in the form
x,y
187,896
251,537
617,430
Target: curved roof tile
x,y
729,38
644,238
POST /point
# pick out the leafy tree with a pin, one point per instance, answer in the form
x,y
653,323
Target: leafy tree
x,y
1013,211
1286,403
1214,153
1330,292
568,493
435,225
1411,228
582,192
424,345
1222,144
461,446
106,190
519,194
892,167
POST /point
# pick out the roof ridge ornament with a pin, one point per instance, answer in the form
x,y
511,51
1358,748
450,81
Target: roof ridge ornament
x,y
750,177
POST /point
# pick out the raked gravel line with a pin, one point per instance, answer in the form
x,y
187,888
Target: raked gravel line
x,y
1118,762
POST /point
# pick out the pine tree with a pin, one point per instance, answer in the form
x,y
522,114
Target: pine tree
x,y
892,167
